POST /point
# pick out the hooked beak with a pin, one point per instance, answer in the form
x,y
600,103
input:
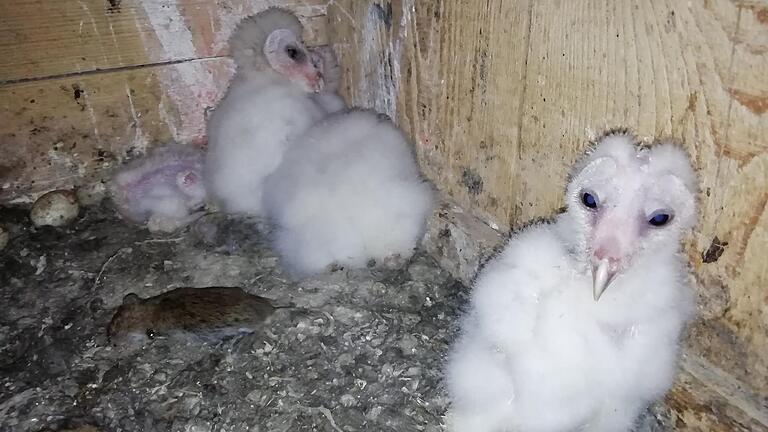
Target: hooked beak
x,y
317,83
602,276
311,82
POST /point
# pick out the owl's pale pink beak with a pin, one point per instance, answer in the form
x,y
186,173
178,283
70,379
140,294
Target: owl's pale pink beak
x,y
315,81
607,259
603,273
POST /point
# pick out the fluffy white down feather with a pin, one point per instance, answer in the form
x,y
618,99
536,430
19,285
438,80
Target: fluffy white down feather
x,y
247,136
153,185
348,190
261,112
537,353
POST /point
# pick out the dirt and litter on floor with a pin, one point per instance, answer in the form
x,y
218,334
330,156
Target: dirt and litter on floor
x,y
359,350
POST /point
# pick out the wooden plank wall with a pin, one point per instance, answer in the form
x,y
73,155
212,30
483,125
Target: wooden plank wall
x,y
502,96
85,83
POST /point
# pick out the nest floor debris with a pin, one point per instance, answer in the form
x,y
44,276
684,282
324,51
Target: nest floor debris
x,y
363,350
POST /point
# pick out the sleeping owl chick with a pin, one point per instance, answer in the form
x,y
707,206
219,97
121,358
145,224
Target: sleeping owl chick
x,y
575,324
163,189
349,190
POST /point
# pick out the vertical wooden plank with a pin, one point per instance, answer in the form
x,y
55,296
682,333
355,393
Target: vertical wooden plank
x,y
481,109
448,72
735,206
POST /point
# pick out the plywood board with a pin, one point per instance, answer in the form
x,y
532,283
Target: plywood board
x,y
665,69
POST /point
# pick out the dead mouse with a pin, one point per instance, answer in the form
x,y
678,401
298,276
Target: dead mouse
x,y
208,314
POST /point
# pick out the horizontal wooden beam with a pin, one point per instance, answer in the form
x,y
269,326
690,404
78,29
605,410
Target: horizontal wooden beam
x,y
42,38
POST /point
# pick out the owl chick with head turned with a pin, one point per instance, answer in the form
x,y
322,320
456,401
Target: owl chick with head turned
x,y
268,103
574,326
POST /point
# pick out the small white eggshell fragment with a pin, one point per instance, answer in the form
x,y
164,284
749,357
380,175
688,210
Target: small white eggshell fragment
x,y
4,235
55,208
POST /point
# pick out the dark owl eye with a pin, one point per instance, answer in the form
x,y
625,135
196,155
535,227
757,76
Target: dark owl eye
x,y
660,218
589,200
150,333
292,52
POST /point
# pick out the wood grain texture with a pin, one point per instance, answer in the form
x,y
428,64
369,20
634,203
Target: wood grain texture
x,y
448,71
40,38
705,399
69,131
502,97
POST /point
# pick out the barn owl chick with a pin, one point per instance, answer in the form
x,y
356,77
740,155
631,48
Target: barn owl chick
x,y
348,190
574,326
163,189
267,104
